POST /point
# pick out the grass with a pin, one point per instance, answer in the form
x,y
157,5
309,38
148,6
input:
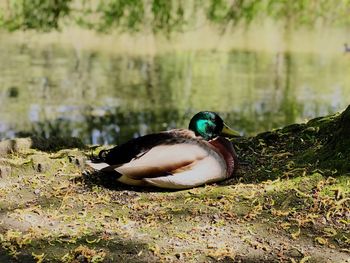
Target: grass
x,y
277,209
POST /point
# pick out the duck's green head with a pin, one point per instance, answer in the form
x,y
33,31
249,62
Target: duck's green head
x,y
209,125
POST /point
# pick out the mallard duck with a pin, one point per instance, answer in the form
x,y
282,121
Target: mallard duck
x,y
175,159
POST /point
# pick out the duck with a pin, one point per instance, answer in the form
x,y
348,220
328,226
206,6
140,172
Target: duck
x,y
175,159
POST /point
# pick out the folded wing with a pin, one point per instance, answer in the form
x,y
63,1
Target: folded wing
x,y
163,160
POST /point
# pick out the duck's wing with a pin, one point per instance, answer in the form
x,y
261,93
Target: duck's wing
x,y
216,166
125,152
163,160
135,148
207,170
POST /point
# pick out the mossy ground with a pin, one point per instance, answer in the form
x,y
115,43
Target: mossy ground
x,y
283,206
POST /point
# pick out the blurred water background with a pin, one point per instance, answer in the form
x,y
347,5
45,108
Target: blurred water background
x,y
107,88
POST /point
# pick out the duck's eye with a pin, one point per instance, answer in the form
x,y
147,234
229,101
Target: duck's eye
x,y
210,126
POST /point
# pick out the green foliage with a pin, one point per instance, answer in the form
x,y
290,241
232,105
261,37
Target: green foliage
x,y
121,13
167,15
36,14
220,11
136,15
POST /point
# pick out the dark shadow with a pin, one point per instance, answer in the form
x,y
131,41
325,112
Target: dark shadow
x,y
13,92
56,143
5,257
116,249
109,181
51,144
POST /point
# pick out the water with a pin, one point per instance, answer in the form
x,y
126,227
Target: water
x,y
101,97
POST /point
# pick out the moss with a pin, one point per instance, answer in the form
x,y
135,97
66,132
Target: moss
x,y
320,143
334,150
14,145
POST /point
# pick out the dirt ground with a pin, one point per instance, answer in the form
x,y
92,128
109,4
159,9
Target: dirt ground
x,y
276,209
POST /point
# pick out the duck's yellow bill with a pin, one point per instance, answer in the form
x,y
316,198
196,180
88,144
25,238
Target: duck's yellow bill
x,y
228,132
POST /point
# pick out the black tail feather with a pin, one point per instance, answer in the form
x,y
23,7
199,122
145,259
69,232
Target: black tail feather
x,y
126,152
100,157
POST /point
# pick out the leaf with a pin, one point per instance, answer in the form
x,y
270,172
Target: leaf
x,y
340,202
300,193
276,212
296,234
96,240
38,257
285,225
322,241
330,232
155,249
250,195
304,259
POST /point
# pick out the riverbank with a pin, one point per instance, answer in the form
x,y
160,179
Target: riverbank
x,y
289,202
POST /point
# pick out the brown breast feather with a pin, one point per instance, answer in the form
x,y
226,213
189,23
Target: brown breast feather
x,y
225,149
